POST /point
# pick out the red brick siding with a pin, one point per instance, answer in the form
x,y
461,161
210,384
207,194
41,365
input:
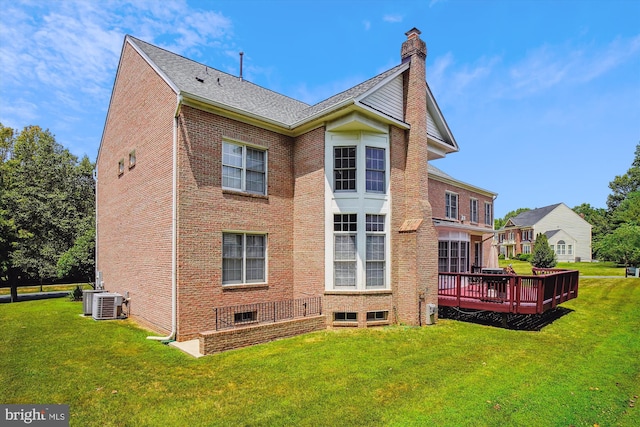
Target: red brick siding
x,y
217,341
358,302
308,215
437,190
416,251
134,210
205,211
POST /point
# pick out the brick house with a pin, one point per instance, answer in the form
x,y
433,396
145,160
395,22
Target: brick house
x,y
463,217
568,233
215,192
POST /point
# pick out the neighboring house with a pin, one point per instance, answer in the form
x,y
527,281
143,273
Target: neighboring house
x,y
463,216
568,233
215,192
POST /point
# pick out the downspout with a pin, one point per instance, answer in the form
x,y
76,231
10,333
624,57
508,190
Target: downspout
x,y
98,281
174,232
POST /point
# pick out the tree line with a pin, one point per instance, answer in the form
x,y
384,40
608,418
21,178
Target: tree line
x,y
616,228
47,210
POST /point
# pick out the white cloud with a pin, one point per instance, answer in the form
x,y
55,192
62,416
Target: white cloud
x,y
550,66
367,25
394,19
64,54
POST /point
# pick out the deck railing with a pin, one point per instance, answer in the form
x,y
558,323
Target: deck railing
x,y
507,293
238,316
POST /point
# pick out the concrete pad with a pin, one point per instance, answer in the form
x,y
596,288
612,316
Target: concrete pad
x,y
190,347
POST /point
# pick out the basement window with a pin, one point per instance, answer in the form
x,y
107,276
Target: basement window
x,y
377,316
245,317
345,316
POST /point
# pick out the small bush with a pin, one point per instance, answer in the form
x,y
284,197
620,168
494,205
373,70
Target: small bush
x,y
501,256
76,294
524,257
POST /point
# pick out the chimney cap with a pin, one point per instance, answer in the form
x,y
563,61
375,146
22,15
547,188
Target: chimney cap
x,y
414,32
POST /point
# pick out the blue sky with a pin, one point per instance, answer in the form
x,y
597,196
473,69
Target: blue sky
x,y
543,97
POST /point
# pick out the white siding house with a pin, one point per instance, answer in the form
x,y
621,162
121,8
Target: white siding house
x,y
568,233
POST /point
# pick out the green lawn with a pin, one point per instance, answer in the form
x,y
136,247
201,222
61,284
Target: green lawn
x,y
585,268
582,370
45,288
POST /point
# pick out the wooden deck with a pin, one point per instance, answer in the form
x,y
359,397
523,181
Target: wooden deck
x,y
504,293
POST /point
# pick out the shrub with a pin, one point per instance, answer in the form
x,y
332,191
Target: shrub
x,y
543,256
76,294
525,257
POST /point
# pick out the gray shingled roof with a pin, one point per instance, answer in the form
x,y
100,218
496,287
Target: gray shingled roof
x,y
432,170
529,218
221,88
551,233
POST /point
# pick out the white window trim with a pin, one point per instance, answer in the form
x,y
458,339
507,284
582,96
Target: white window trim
x,y
243,281
471,216
488,208
359,202
447,207
243,184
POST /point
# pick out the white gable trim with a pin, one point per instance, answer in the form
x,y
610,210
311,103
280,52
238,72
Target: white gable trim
x,y
157,69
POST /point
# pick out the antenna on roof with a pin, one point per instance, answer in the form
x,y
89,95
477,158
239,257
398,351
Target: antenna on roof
x,y
241,55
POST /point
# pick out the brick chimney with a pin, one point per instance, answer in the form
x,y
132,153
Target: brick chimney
x,y
417,242
413,45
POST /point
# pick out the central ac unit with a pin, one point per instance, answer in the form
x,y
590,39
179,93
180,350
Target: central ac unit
x,y
106,306
87,300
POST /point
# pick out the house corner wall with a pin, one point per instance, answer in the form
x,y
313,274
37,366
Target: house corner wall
x,y
134,206
308,215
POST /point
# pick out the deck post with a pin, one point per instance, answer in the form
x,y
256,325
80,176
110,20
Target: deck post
x,y
458,287
541,289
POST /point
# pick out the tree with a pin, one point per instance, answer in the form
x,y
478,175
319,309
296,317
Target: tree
x,y
542,255
78,261
622,246
622,185
47,195
628,211
500,222
8,229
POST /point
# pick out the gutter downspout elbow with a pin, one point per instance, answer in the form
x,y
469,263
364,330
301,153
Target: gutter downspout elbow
x,y
174,232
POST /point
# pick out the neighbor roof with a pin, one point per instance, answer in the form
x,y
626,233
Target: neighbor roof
x,y
529,218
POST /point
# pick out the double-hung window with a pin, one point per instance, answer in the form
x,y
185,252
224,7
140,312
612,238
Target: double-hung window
x,y
244,168
561,247
473,210
451,205
488,213
344,168
375,251
243,258
345,230
375,170
453,256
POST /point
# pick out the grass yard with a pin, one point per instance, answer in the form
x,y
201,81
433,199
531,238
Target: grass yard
x,y
45,288
585,268
582,370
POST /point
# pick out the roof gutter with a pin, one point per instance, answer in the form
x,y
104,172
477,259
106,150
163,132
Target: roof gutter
x,y
174,230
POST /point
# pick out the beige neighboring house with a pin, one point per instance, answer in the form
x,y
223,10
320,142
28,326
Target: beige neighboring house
x,y
568,233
